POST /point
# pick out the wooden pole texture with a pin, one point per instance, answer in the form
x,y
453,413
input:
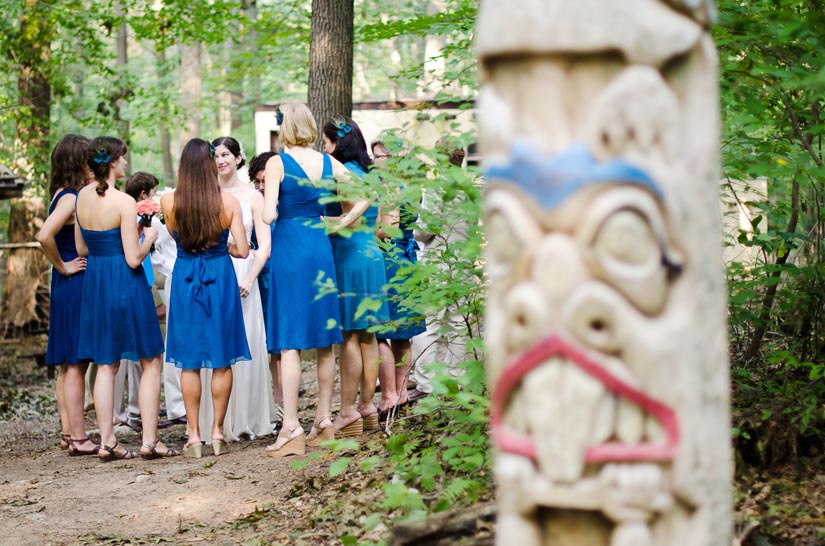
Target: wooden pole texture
x,y
599,125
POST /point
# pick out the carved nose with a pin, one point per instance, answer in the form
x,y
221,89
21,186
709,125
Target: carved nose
x,y
594,314
558,268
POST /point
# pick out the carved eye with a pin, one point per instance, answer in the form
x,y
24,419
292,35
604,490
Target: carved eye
x,y
624,237
627,239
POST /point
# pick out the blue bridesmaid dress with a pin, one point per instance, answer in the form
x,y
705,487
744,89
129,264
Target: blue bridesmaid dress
x,y
118,319
302,310
66,299
205,322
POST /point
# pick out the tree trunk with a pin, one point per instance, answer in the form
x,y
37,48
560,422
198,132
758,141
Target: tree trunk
x,y
191,87
123,90
330,59
27,268
165,137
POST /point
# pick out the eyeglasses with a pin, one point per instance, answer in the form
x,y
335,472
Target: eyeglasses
x,y
382,156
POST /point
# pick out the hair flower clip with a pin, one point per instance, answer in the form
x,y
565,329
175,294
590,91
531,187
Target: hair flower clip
x,y
343,129
279,116
211,150
101,156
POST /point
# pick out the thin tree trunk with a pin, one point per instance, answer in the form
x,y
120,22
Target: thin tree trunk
x,y
165,137
330,59
192,87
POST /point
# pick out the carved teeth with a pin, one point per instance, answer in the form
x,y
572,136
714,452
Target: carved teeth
x,y
566,412
629,422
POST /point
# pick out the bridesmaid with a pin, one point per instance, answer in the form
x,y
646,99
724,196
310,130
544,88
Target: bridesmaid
x,y
400,258
69,173
205,321
299,317
359,268
117,318
251,400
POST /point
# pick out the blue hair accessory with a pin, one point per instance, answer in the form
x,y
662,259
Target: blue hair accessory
x,y
551,180
101,156
343,129
279,116
211,150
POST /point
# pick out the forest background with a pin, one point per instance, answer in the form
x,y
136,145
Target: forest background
x,y
156,72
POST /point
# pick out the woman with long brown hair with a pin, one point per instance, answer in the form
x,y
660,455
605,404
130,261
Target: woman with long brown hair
x,y
118,319
69,173
205,322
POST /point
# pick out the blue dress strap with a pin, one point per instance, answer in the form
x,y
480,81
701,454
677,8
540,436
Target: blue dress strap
x,y
327,172
59,196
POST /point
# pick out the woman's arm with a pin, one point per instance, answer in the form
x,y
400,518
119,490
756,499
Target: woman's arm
x,y
390,219
260,256
60,216
273,175
134,250
240,247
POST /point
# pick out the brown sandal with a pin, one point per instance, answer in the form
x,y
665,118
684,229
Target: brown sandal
x,y
155,454
74,452
112,454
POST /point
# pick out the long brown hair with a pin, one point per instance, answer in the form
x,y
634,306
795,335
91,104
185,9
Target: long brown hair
x,y
198,202
69,165
103,151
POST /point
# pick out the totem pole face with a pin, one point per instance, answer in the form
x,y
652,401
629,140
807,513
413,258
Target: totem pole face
x,y
605,322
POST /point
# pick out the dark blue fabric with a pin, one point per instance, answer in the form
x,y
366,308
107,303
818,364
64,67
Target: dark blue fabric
x,y
359,269
118,319
298,315
205,322
65,300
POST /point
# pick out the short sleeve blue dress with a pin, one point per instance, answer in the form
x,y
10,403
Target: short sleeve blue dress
x,y
302,310
359,269
205,322
118,319
66,299
400,257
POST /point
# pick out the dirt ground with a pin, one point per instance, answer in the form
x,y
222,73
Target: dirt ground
x,y
49,498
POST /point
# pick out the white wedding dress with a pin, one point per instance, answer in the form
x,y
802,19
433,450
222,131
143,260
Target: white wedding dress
x,y
251,401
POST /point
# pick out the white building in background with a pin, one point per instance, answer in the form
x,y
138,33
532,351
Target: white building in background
x,y
420,122
739,200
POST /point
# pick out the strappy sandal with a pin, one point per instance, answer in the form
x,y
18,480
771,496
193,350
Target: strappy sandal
x,y
65,441
294,445
318,434
112,454
155,454
74,452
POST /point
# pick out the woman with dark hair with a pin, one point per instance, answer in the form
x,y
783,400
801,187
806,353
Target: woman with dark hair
x,y
117,318
360,272
205,321
250,402
69,173
300,317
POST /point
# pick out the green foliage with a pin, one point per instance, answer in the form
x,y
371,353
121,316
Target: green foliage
x,y
773,90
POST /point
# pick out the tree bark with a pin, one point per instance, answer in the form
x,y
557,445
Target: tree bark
x,y
27,268
165,137
330,59
192,87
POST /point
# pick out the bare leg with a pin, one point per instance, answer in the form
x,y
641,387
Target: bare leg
x,y
403,357
326,379
149,402
368,345
190,384
386,373
275,371
59,386
74,395
351,369
221,389
104,396
290,383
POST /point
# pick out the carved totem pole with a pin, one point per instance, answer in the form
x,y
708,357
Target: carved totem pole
x,y
606,331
